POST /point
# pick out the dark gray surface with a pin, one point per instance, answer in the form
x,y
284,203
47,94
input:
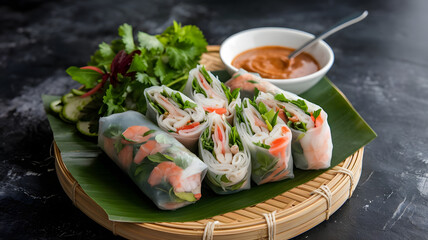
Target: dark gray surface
x,y
381,66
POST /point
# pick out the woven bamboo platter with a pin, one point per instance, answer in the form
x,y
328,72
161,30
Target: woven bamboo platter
x,y
284,216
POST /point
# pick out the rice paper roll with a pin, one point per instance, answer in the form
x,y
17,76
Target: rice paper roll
x,y
206,90
176,114
250,84
168,173
269,140
228,161
312,145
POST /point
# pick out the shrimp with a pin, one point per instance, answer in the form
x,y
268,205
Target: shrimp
x,y
149,148
248,82
207,87
278,148
169,106
135,134
109,146
318,121
125,156
165,171
317,145
188,184
170,172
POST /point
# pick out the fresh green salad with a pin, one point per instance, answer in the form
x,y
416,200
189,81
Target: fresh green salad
x,y
117,74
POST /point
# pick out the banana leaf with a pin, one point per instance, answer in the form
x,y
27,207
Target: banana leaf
x,y
104,182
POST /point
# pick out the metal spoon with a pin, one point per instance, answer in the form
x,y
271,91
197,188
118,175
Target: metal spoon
x,y
339,26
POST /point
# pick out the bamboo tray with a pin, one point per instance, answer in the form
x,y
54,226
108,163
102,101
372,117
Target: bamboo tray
x,y
293,212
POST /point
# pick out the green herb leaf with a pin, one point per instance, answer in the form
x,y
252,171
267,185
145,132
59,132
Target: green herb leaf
x,y
300,103
280,97
139,64
144,78
260,144
112,131
118,146
239,113
114,99
262,108
230,95
189,104
205,74
87,77
316,113
149,42
176,97
237,186
156,106
224,179
256,92
197,88
178,58
159,157
207,141
182,163
160,69
106,51
300,126
125,31
149,132
235,139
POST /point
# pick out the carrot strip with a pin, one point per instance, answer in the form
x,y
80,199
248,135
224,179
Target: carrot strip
x,y
216,110
190,126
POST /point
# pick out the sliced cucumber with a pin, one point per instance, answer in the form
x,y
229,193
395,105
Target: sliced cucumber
x,y
83,128
56,106
63,118
71,110
66,98
77,92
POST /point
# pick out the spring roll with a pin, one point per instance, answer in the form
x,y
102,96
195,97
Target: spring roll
x,y
312,145
249,84
269,140
229,163
168,173
206,90
176,114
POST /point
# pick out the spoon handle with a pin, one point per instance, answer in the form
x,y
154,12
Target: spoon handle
x,y
339,26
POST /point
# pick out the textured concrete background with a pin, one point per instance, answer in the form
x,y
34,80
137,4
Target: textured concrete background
x,y
381,66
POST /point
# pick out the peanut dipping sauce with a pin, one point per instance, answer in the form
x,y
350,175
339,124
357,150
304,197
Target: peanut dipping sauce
x,y
272,62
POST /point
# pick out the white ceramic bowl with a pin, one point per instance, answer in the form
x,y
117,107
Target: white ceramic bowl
x,y
286,37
